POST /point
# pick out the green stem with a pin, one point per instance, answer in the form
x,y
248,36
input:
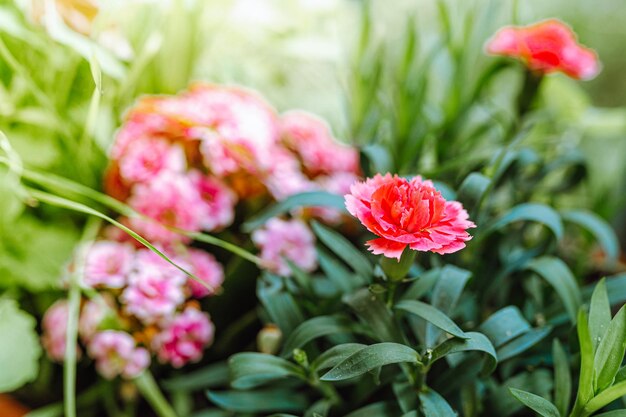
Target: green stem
x,y
151,392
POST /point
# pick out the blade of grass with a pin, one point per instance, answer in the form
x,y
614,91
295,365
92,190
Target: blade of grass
x,y
151,392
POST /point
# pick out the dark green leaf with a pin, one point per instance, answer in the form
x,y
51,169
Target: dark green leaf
x,y
434,405
317,327
610,352
370,358
559,276
259,401
335,355
536,403
504,325
472,189
251,369
599,313
380,409
533,212
374,313
308,199
474,342
214,375
522,343
562,378
602,231
344,249
432,315
341,276
279,304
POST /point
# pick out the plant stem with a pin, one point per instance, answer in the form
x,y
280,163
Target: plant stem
x,y
151,392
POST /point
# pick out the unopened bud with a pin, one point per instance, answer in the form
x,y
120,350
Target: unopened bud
x,y
269,338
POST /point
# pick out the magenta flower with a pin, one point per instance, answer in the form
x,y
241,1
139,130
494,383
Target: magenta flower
x,y
107,264
184,338
205,267
91,315
286,239
54,326
144,159
116,354
286,177
408,213
218,208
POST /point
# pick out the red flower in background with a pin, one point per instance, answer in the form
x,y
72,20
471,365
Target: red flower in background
x,y
546,47
408,213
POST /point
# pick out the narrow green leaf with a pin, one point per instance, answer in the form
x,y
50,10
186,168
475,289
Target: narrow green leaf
x,y
504,325
533,212
559,276
523,343
149,389
434,405
374,313
251,369
315,328
585,384
308,199
562,378
432,315
601,230
599,313
380,409
610,352
536,403
259,401
605,398
370,358
344,249
475,342
614,413
472,189
279,304
335,355
214,375
340,275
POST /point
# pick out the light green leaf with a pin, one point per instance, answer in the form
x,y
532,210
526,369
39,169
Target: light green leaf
x,y
610,352
605,398
251,369
434,405
344,249
533,212
20,351
559,276
432,315
542,406
585,384
602,231
599,313
562,378
369,358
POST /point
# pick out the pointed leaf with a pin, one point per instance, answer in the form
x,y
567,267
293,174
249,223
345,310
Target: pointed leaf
x,y
335,355
504,325
434,405
599,313
562,378
432,315
475,342
251,369
610,352
344,249
523,343
318,327
533,212
602,231
259,401
536,403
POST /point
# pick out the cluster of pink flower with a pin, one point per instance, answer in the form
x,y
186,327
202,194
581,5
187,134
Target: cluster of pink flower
x,y
184,163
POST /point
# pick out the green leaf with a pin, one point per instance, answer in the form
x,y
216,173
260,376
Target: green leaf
x,y
279,304
585,384
214,375
472,189
602,231
599,313
523,343
308,199
432,315
335,355
562,378
540,405
374,313
475,342
20,351
344,249
259,401
504,325
251,369
614,413
434,405
340,275
610,352
370,358
315,328
380,409
533,212
605,398
559,276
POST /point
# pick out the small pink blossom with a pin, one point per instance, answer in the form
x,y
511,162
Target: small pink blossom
x,y
91,315
154,289
184,338
218,201
116,354
286,177
338,183
107,264
310,137
54,327
146,158
408,213
205,267
170,200
290,239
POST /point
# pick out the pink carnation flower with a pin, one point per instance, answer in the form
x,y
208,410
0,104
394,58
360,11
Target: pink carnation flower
x,y
184,338
311,138
218,201
408,213
171,200
54,326
91,315
107,264
145,158
546,47
155,289
290,239
116,354
285,177
205,267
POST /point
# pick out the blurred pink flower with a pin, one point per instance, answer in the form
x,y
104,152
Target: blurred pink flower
x,y
91,315
338,183
285,177
171,200
145,158
310,137
184,338
290,239
154,289
408,213
116,354
546,47
205,267
218,201
107,264
54,327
